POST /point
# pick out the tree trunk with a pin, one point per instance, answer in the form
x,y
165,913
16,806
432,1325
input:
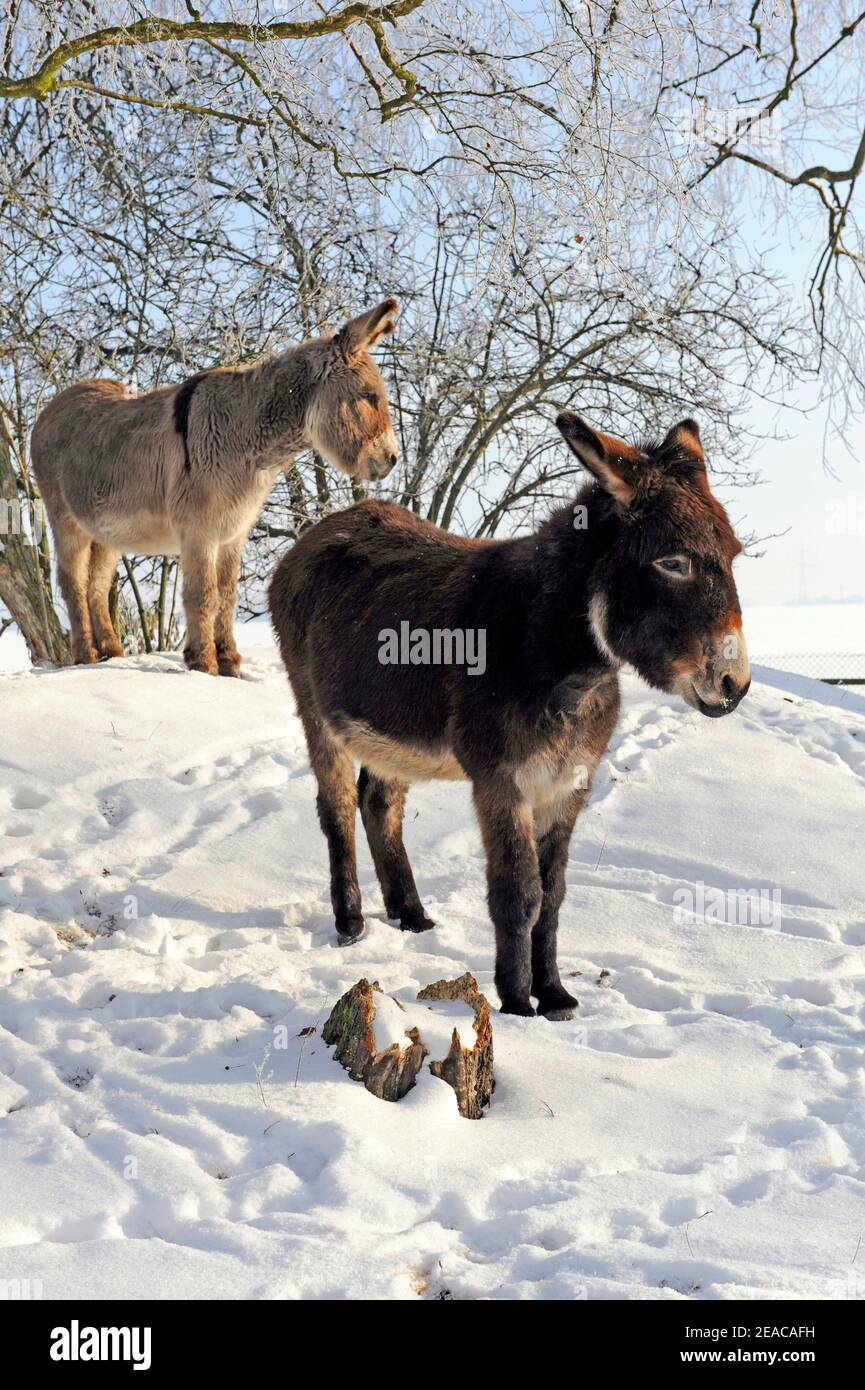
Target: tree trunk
x,y
25,590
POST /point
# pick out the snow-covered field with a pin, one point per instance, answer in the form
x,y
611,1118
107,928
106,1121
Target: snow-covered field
x,y
14,655
805,628
698,1132
815,640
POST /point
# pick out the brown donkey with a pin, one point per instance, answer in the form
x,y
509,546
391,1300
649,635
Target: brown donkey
x,y
185,470
639,571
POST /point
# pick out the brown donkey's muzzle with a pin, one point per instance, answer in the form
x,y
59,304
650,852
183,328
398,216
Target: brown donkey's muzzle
x,y
717,688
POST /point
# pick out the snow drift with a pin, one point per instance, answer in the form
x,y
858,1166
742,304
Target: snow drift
x,y
170,1128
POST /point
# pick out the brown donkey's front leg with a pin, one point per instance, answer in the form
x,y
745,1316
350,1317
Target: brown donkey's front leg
x,y
381,807
200,601
514,885
228,567
553,999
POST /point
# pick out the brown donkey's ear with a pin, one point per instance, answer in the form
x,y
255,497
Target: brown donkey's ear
x,y
367,329
608,459
686,436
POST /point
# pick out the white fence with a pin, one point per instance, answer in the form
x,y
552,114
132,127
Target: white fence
x,y
836,668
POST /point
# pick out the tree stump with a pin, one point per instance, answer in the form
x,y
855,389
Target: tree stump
x,y
469,1070
388,1074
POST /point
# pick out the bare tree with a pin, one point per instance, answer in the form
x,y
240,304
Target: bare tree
x,y
561,195
25,565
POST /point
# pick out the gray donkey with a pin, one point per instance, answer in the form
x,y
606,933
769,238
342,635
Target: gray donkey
x,y
185,470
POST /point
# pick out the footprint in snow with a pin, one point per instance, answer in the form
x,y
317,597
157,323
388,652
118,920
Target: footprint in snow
x,y
262,804
29,799
17,830
750,1190
113,809
644,991
77,1079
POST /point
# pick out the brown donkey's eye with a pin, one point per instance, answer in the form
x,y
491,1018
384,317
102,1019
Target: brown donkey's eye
x,y
678,566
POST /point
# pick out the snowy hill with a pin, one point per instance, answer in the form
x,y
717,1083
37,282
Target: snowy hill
x,y
698,1131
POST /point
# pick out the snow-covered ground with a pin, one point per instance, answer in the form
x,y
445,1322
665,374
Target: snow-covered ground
x,y
14,655
816,639
698,1132
784,629
805,628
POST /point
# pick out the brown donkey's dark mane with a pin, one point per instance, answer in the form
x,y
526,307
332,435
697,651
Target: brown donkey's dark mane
x,y
637,571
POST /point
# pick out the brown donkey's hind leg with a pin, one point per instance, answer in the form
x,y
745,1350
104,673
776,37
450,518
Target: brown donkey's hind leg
x,y
200,602
337,809
381,807
337,812
73,565
228,565
103,564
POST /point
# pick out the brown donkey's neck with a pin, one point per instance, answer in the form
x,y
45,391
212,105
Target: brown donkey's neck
x,y
537,590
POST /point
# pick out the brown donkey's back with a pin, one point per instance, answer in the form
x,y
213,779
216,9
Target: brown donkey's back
x,y
353,576
424,655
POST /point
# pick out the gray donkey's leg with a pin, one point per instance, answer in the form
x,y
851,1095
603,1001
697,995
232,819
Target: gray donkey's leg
x,y
228,566
73,564
200,601
103,566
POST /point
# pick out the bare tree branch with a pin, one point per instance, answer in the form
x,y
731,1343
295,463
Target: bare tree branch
x,y
151,30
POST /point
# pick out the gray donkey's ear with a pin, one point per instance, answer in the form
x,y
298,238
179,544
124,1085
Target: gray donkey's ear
x,y
367,329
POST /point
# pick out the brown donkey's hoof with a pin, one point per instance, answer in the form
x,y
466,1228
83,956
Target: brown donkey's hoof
x,y
516,1006
229,666
414,919
349,930
557,1004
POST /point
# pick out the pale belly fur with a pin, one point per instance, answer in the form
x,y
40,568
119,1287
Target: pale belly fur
x,y
148,533
546,780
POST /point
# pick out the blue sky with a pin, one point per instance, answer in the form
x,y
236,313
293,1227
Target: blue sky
x,y
814,480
